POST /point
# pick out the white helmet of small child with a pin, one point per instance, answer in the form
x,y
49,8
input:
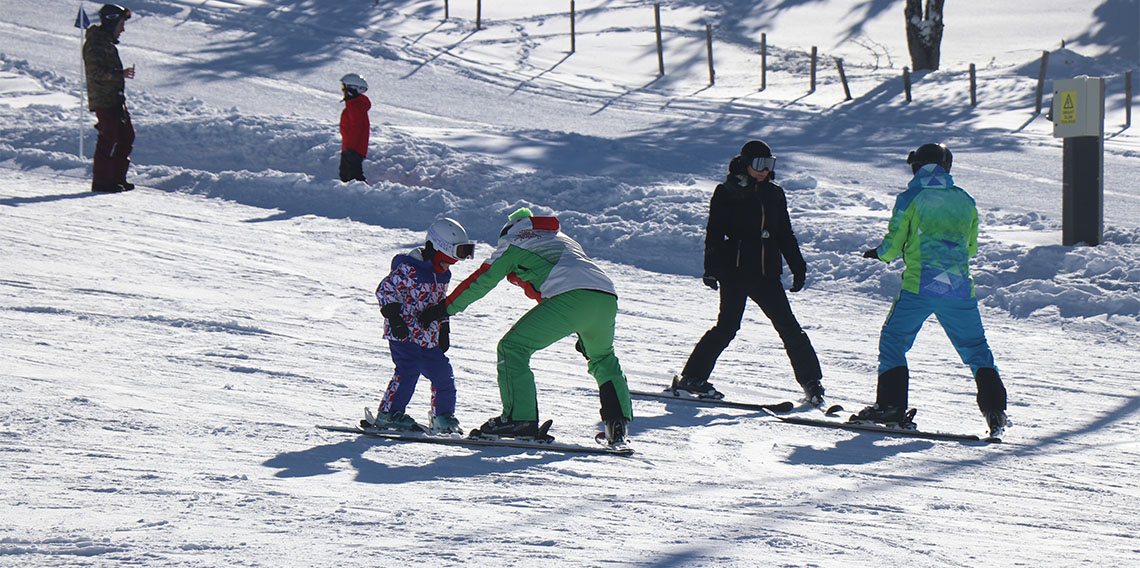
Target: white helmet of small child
x,y
449,237
354,82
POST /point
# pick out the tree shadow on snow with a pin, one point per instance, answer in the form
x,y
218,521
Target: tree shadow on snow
x,y
318,460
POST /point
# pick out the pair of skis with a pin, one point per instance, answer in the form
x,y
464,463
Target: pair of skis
x,y
544,441
779,411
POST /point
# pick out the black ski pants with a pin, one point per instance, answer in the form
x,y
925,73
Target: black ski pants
x,y
351,166
768,293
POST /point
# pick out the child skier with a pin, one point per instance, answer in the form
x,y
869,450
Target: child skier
x,y
354,127
419,279
575,296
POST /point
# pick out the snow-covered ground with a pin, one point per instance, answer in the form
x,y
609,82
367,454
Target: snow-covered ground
x,y
164,353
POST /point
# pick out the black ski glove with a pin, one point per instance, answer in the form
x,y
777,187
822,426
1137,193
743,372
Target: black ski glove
x,y
581,348
444,336
396,323
871,253
709,281
433,312
797,282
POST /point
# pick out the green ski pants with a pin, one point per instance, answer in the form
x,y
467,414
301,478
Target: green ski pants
x,y
590,314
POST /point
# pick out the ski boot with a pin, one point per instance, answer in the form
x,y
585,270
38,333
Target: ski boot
x,y
397,421
997,421
444,424
617,431
892,416
701,388
499,427
813,394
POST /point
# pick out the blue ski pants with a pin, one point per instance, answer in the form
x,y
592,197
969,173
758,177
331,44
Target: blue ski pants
x,y
959,318
411,361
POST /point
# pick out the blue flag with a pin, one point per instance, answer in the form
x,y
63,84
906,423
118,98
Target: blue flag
x,y
81,20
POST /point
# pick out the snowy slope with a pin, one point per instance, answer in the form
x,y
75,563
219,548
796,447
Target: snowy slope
x,y
166,352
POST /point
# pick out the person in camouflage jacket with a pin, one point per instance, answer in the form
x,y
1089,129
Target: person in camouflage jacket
x,y
106,97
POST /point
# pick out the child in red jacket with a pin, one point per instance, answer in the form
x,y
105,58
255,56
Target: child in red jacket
x,y
354,127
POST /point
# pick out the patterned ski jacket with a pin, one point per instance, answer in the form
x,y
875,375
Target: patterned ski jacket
x,y
416,285
104,69
536,255
354,125
749,230
934,226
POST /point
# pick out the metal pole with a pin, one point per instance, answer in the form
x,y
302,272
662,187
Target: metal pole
x,y
843,79
763,61
478,14
1041,81
973,86
906,82
572,46
1127,99
83,94
446,10
708,40
813,59
660,52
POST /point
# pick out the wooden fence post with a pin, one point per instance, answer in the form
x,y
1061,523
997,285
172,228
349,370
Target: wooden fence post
x,y
843,78
708,40
906,82
973,86
763,61
1127,99
572,26
1041,81
478,14
813,58
660,52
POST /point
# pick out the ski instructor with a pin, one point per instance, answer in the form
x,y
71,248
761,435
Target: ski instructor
x,y
574,295
106,97
748,237
934,227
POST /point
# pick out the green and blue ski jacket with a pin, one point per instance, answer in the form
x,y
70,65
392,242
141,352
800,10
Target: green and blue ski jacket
x,y
934,226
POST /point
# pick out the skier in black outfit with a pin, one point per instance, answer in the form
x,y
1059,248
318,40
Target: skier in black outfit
x,y
748,232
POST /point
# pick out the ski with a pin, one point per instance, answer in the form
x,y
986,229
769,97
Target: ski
x,y
843,425
778,407
459,440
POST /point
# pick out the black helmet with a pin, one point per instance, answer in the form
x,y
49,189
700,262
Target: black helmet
x,y
112,14
757,155
930,154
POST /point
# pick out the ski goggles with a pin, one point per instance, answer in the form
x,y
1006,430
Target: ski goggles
x,y
761,164
465,250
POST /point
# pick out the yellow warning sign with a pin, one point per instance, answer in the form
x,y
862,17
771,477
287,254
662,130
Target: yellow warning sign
x,y
1068,107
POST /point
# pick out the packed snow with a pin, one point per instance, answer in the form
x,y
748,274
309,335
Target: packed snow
x,y
167,352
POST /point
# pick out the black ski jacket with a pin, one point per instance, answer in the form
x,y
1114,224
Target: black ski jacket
x,y
749,230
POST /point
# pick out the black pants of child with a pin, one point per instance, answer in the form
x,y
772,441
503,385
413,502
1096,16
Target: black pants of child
x,y
351,166
768,293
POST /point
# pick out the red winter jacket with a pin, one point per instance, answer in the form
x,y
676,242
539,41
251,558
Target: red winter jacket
x,y
354,125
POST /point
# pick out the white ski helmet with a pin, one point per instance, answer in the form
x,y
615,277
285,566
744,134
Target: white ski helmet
x,y
450,238
354,82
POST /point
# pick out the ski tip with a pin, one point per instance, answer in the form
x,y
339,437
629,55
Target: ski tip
x,y
833,410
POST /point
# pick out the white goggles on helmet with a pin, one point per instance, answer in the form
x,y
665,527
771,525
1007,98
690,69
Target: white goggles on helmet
x,y
761,164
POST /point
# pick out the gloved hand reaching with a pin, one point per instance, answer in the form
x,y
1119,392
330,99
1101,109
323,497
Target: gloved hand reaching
x,y
433,312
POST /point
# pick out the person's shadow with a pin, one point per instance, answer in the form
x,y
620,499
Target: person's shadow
x,y
18,201
457,462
